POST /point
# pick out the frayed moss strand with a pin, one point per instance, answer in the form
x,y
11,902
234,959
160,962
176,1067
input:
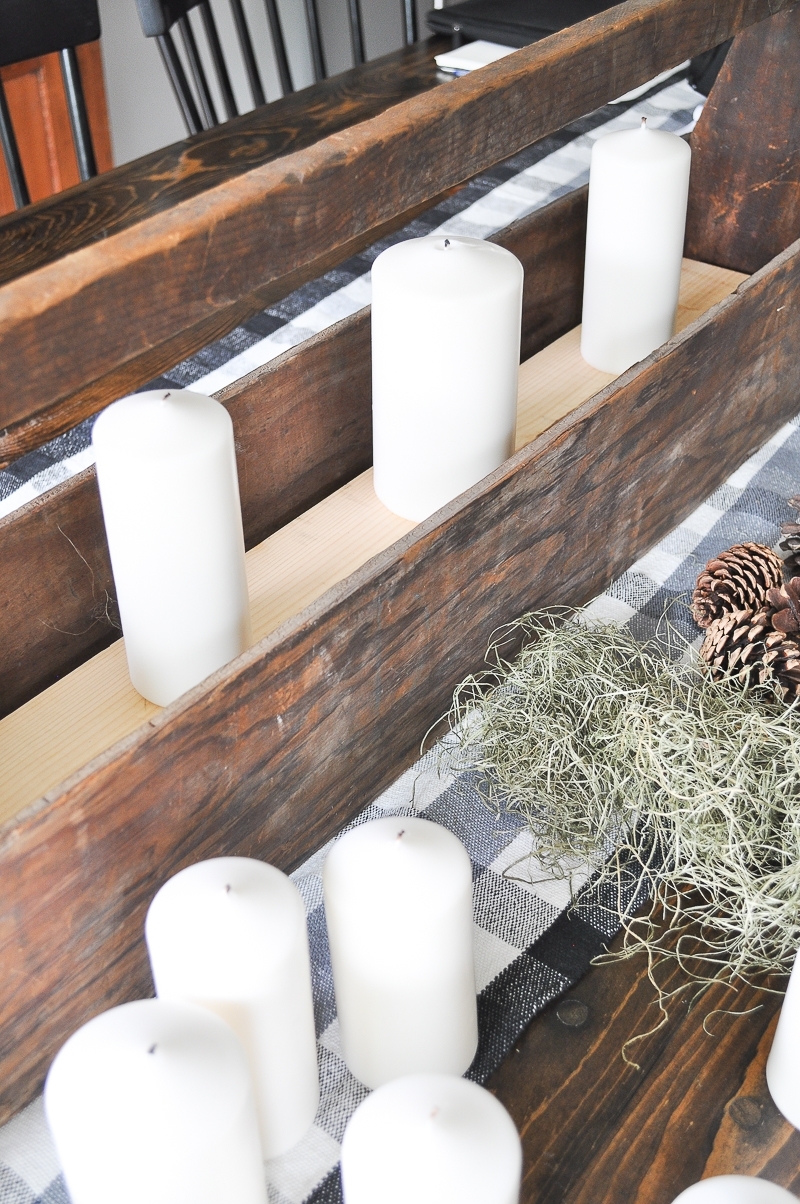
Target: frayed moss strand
x,y
617,755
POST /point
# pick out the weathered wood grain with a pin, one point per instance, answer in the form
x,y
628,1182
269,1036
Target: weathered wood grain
x,y
122,299
88,711
127,195
277,750
596,1131
30,433
313,402
744,201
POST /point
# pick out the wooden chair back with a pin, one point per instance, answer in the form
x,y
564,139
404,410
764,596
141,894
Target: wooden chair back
x,y
30,29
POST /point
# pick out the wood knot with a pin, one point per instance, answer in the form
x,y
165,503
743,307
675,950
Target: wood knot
x,y
746,1112
572,1012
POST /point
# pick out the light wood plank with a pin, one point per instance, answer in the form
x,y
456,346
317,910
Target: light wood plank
x,y
60,730
557,380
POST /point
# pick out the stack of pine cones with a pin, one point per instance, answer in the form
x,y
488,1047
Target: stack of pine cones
x,y
752,621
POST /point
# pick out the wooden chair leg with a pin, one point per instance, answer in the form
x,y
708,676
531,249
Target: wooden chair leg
x,y
16,176
180,84
78,119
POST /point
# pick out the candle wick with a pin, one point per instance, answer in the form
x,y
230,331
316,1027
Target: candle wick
x,y
152,1049
447,242
227,888
644,122
402,832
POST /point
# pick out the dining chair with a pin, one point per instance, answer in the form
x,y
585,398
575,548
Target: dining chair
x,y
158,19
28,30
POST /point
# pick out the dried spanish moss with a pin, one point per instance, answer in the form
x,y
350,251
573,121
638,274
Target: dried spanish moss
x,y
604,745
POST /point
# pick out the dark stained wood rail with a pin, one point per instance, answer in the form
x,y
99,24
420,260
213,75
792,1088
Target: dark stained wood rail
x,y
146,295
30,433
596,1131
276,751
130,194
314,402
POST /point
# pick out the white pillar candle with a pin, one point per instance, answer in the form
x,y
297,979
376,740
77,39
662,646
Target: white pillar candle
x,y
431,1139
152,1102
446,315
735,1189
783,1063
230,934
398,904
638,188
166,468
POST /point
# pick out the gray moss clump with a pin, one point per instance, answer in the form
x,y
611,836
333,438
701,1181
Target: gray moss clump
x,y
616,754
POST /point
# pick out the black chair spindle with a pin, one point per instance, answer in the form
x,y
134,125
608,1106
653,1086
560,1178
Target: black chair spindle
x,y
315,41
78,118
159,17
279,47
248,54
218,59
16,175
410,22
356,32
208,112
180,84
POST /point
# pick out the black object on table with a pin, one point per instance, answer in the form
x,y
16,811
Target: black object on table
x,y
510,22
520,22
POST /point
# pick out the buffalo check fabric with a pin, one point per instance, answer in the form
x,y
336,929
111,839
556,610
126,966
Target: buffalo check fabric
x,y
535,934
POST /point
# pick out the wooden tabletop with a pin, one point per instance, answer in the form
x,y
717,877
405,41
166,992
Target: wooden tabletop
x,y
597,1131
130,194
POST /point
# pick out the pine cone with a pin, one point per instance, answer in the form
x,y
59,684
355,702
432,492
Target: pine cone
x,y
783,604
782,664
791,544
736,580
735,644
782,645
756,647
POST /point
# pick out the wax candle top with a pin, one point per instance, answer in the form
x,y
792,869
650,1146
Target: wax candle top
x,y
735,1189
440,267
224,928
161,424
176,1056
420,859
645,146
431,1137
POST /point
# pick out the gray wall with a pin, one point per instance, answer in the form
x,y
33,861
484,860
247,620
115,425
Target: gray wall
x,y
142,109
